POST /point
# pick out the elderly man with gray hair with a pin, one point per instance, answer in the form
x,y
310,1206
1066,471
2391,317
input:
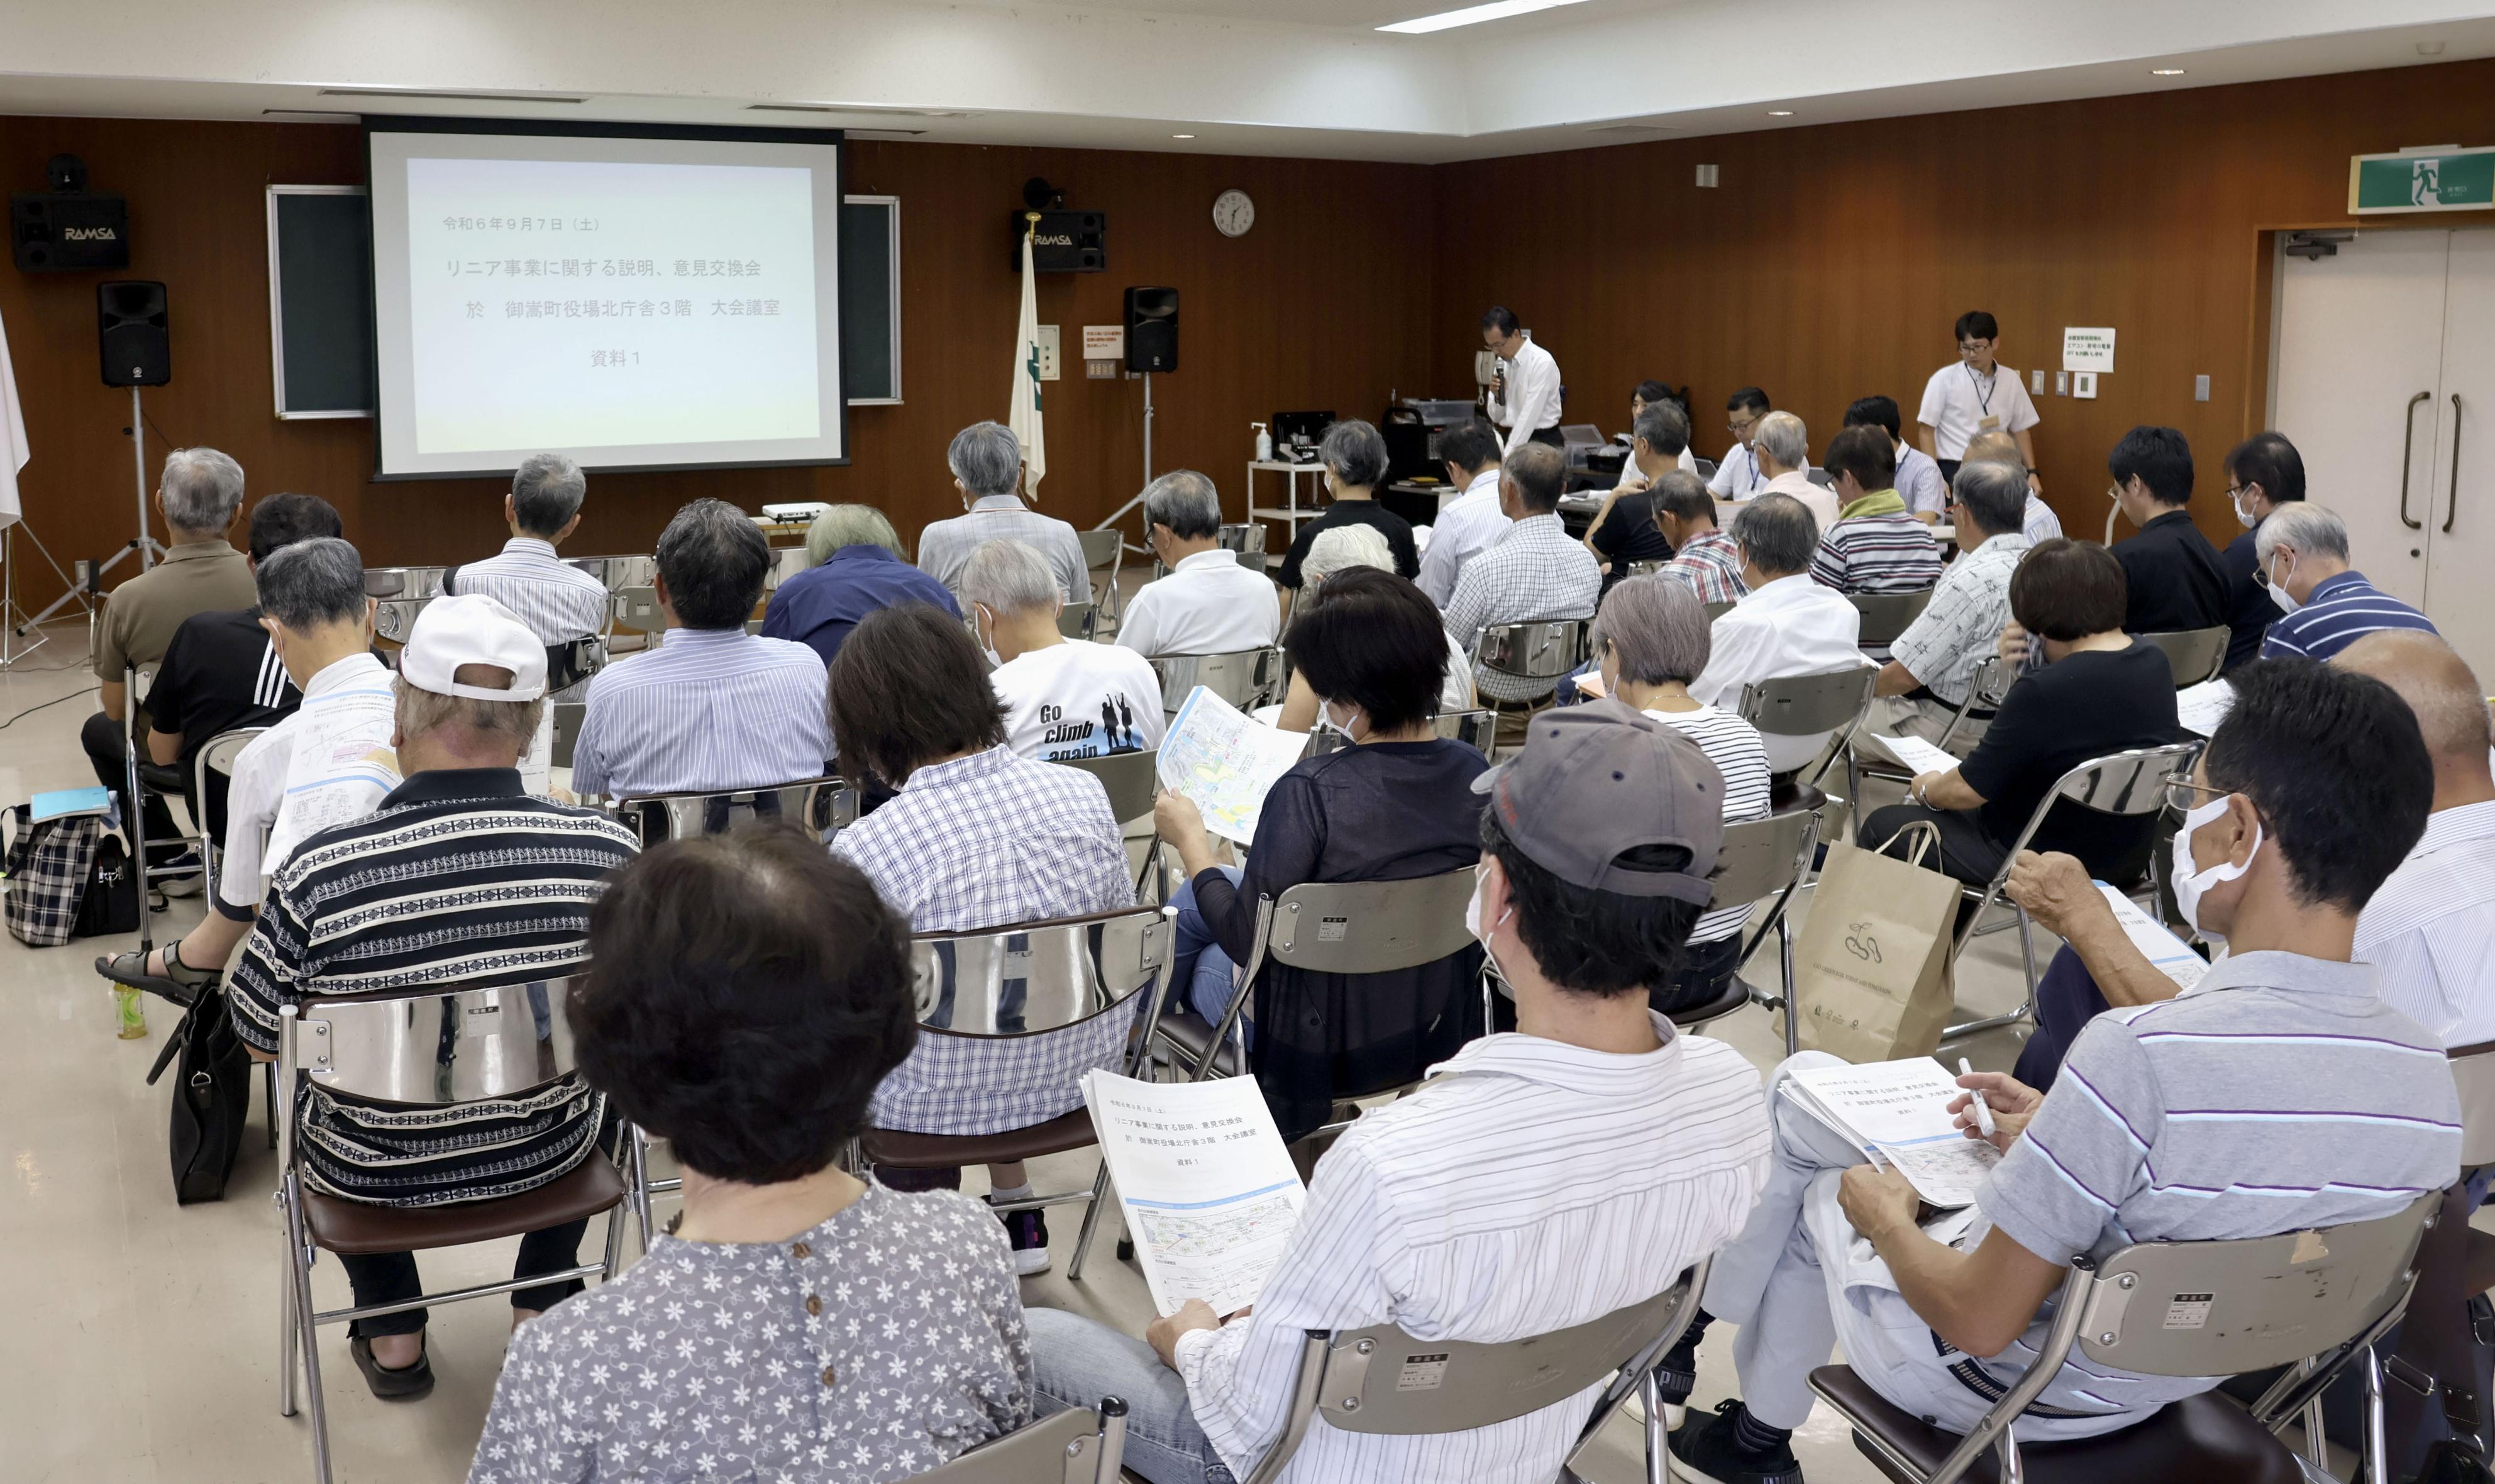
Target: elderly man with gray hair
x,y
200,572
854,566
1063,698
1933,663
1788,625
2301,553
1209,604
1782,446
985,460
561,604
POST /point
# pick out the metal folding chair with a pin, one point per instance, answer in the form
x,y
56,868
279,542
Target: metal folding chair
x,y
141,779
822,807
1716,611
1245,678
216,757
1760,859
1993,681
637,610
1644,569
2196,655
1887,615
1365,1381
568,716
427,1048
1537,652
1105,549
1030,979
1077,1447
2315,1301
399,594
1076,620
1811,705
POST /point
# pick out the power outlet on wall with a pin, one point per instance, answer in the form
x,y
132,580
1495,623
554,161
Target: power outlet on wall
x,y
1048,344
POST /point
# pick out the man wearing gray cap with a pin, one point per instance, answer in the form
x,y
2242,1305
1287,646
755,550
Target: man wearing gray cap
x,y
1541,1179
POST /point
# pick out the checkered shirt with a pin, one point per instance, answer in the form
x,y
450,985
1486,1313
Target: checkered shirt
x,y
984,842
1534,570
1710,563
1950,640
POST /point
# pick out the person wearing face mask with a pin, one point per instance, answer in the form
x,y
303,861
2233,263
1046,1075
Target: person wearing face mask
x,y
2336,1108
2263,473
1541,1179
1063,698
2303,556
986,461
1396,804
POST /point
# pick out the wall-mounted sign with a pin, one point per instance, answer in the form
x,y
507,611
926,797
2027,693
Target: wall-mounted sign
x,y
2087,348
2421,181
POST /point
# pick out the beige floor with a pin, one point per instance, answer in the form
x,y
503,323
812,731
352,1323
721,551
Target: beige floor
x,y
138,1342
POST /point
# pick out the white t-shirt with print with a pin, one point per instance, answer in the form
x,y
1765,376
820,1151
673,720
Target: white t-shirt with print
x,y
1079,700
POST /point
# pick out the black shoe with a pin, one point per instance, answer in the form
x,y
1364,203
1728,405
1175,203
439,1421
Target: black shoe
x,y
1028,1231
1707,1449
400,1384
1676,1377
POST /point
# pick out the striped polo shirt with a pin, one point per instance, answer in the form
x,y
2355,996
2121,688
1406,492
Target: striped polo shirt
x,y
2279,1092
2340,611
459,880
709,710
1877,547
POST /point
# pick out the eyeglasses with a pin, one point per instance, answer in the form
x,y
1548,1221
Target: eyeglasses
x,y
2182,795
1741,428
2232,490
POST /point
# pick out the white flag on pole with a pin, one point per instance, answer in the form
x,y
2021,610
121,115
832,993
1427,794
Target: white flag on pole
x,y
1025,417
12,437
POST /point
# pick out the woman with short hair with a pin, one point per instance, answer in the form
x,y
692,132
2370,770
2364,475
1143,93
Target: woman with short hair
x,y
1353,454
745,995
855,564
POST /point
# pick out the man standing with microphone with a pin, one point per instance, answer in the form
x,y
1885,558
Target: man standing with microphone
x,y
1524,389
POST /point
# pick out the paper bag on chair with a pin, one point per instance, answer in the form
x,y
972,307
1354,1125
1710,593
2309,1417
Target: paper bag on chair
x,y
1871,966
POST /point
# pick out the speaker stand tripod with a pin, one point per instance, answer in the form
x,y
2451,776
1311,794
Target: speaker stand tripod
x,y
14,624
1120,512
150,550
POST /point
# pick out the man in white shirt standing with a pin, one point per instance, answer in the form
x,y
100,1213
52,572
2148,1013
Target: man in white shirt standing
x,y
1063,698
1782,446
1208,604
1469,523
1788,626
1524,398
1541,1179
1977,394
1737,477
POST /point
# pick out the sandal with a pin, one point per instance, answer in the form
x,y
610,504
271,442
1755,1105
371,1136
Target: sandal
x,y
179,982
392,1384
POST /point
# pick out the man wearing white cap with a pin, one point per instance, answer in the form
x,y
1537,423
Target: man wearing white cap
x,y
461,880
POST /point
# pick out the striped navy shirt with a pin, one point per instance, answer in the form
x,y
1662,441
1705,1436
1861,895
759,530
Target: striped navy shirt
x,y
2340,611
558,602
1884,553
710,710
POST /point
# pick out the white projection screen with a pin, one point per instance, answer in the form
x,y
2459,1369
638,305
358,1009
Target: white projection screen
x,y
637,298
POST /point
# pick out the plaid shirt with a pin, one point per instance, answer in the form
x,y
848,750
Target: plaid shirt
x,y
1533,571
984,842
1710,563
1950,640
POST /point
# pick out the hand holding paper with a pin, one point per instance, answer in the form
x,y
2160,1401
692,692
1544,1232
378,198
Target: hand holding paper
x,y
1915,753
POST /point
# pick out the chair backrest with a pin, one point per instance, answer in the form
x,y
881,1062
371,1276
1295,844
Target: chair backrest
x,y
1535,649
1130,779
786,563
619,573
216,756
1705,467
1246,678
1244,537
1370,927
2196,655
1253,561
1645,568
1075,1447
2129,782
638,608
1760,857
566,729
2226,1308
1886,615
1821,478
1806,705
1716,611
1032,977
821,807
1075,620
1102,549
399,594
437,1046
2473,1072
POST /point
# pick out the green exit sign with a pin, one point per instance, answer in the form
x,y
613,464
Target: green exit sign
x,y
2427,181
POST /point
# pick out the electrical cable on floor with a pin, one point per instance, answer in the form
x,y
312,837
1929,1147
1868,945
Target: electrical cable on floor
x,y
42,705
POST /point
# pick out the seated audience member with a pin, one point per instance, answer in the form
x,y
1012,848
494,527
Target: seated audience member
x,y
1208,604
1063,698
1934,661
2429,931
1918,476
2099,692
1533,571
2171,570
2329,604
1652,394
1625,532
1737,475
221,673
1354,456
558,602
1343,549
2040,523
1473,519
2263,473
1704,559
2309,793
1546,1177
1651,640
200,572
976,838
746,994
1875,546
1787,625
854,565
712,708
985,460
1783,449
457,879
321,764
1396,804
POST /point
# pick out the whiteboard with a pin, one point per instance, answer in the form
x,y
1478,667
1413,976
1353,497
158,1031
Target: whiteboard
x,y
320,301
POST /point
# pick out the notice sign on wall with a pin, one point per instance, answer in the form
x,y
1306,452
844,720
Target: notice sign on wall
x,y
2087,348
2421,181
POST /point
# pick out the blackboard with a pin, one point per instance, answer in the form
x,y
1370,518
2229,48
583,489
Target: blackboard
x,y
321,300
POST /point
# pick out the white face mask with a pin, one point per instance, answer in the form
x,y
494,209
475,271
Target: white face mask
x,y
2243,513
2190,883
987,636
2278,593
1473,912
1327,722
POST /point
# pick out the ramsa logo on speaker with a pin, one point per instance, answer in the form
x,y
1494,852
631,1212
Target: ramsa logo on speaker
x,y
88,234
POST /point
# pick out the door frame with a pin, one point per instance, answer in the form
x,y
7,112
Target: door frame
x,y
2269,314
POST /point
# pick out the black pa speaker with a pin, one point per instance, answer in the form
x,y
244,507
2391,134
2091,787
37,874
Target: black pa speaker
x,y
1063,241
131,333
1151,329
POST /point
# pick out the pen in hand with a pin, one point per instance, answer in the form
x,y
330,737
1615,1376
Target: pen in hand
x,y
1983,1110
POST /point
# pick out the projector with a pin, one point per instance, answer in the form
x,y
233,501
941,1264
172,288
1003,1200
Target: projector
x,y
802,509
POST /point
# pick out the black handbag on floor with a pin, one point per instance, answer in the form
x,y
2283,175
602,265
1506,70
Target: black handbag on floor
x,y
109,905
211,1097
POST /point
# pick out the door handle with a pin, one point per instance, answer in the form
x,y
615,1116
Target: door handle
x,y
2453,506
2408,446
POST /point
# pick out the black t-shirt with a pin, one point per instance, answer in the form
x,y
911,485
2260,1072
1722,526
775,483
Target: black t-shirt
x,y
2082,706
219,674
2174,580
2249,609
1344,512
1629,534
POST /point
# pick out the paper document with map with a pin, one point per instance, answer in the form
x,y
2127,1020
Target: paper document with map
x,y
1226,760
1209,1192
1899,1111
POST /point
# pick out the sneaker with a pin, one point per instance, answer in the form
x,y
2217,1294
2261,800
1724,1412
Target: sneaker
x,y
180,873
1707,1449
1028,1230
1675,1375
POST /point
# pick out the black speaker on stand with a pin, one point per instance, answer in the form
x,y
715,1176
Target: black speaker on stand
x,y
134,346
1151,329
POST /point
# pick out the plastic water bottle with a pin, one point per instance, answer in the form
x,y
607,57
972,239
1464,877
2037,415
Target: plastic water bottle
x,y
130,1011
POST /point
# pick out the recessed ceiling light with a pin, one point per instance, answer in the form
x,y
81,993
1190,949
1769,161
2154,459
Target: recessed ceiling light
x,y
1472,16
1780,113
2166,72
1182,135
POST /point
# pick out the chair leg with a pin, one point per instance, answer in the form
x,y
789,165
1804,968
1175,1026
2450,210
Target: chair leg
x,y
641,1186
1658,1452
1792,991
2027,955
289,1254
268,1085
614,1257
1090,1222
308,1336
1853,796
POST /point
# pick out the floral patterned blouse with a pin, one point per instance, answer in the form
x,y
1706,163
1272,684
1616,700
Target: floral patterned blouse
x,y
877,1345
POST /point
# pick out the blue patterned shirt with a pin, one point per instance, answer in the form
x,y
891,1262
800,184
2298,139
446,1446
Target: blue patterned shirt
x,y
710,710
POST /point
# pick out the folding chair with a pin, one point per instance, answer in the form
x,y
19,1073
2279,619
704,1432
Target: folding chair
x,y
2196,655
142,778
216,758
1705,468
1887,615
786,563
1076,620
1537,652
399,594
427,1048
1245,678
1716,611
1076,1446
2315,1301
1132,781
568,715
618,572
637,610
1644,569
1993,681
1821,478
1028,980
1760,859
1365,1381
822,807
1807,706
1105,549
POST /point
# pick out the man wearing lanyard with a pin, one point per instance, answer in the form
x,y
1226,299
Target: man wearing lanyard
x,y
1977,394
1524,395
